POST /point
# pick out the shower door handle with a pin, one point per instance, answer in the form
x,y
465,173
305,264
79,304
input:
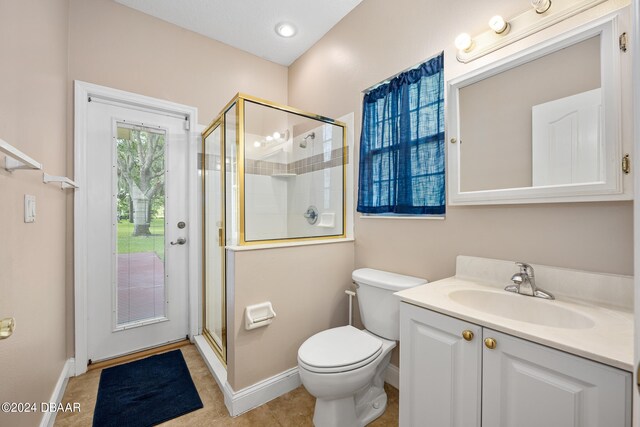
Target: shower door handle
x,y
180,241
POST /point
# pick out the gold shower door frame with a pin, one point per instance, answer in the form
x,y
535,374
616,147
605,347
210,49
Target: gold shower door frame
x,y
239,102
219,350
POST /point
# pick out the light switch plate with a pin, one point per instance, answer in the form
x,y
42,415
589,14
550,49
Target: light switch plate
x,y
29,208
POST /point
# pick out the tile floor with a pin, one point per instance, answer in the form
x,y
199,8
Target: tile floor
x,y
292,409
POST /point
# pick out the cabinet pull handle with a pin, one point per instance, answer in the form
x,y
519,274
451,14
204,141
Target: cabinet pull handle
x,y
490,343
467,335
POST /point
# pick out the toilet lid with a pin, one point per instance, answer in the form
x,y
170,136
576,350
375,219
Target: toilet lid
x,y
339,349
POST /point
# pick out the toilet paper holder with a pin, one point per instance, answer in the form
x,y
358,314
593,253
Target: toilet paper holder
x,y
258,315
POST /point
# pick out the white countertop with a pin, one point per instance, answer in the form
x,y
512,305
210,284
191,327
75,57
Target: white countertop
x,y
608,341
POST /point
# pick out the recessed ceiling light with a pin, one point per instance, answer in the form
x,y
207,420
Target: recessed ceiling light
x,y
284,29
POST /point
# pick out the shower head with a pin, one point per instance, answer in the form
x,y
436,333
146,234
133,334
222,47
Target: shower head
x,y
303,143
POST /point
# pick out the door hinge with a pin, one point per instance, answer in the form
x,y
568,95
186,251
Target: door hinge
x,y
187,124
220,241
626,164
622,41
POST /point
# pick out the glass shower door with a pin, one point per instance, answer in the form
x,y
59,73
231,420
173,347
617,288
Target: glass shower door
x,y
213,170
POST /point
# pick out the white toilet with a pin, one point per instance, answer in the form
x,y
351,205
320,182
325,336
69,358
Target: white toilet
x,y
344,367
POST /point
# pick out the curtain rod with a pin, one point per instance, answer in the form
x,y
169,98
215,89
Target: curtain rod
x,y
388,79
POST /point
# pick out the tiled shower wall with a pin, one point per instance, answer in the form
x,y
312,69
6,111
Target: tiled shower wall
x,y
306,165
278,193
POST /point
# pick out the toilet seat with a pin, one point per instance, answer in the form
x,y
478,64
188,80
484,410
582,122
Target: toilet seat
x,y
338,350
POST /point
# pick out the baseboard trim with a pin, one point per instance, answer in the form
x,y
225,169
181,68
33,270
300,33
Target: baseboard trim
x,y
241,401
392,376
48,418
217,369
262,392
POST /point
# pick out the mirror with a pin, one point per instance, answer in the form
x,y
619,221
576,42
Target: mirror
x,y
540,126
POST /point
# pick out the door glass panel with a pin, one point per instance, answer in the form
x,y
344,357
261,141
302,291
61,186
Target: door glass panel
x,y
214,312
140,209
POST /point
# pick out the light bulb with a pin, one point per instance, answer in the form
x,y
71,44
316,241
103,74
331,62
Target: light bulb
x,y
255,144
269,138
498,24
541,6
463,42
276,135
284,29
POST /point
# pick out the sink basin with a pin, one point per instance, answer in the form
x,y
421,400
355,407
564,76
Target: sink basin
x,y
522,308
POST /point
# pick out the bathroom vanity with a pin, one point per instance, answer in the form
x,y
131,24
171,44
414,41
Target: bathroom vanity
x,y
473,354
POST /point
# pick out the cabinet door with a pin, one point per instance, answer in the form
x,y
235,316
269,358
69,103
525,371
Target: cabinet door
x,y
530,385
440,371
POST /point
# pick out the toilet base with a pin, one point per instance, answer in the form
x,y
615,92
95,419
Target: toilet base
x,y
335,413
344,413
356,410
371,405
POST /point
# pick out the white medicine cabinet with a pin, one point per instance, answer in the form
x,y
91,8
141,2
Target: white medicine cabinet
x,y
543,125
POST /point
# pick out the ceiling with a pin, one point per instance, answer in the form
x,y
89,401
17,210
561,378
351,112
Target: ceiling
x,y
249,24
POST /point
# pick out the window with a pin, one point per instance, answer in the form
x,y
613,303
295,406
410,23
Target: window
x,y
402,144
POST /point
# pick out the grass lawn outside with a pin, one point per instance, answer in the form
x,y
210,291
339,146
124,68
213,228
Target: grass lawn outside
x,y
127,243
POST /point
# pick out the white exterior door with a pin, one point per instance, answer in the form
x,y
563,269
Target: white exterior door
x,y
137,213
440,374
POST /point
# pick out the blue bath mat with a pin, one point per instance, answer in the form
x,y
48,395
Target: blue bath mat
x,y
145,392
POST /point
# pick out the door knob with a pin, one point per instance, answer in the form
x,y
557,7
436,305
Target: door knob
x,y
180,241
467,335
490,343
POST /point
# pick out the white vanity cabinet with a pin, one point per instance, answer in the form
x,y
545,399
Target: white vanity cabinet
x,y
530,385
446,380
440,370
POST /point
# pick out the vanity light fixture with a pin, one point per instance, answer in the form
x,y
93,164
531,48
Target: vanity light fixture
x,y
541,6
463,42
499,25
286,30
504,32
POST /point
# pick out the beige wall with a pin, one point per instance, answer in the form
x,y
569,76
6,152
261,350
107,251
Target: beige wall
x,y
495,114
119,47
115,46
380,38
306,286
33,117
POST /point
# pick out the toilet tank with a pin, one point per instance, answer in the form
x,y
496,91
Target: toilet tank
x,y
379,307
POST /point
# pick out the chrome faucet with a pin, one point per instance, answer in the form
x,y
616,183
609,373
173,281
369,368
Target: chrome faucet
x,y
525,283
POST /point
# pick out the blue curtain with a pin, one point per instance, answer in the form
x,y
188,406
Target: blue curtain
x,y
402,144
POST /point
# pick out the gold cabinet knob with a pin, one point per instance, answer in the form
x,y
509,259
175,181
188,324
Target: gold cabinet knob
x,y
490,343
467,335
6,327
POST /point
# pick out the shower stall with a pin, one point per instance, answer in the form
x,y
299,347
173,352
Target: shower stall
x,y
271,175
